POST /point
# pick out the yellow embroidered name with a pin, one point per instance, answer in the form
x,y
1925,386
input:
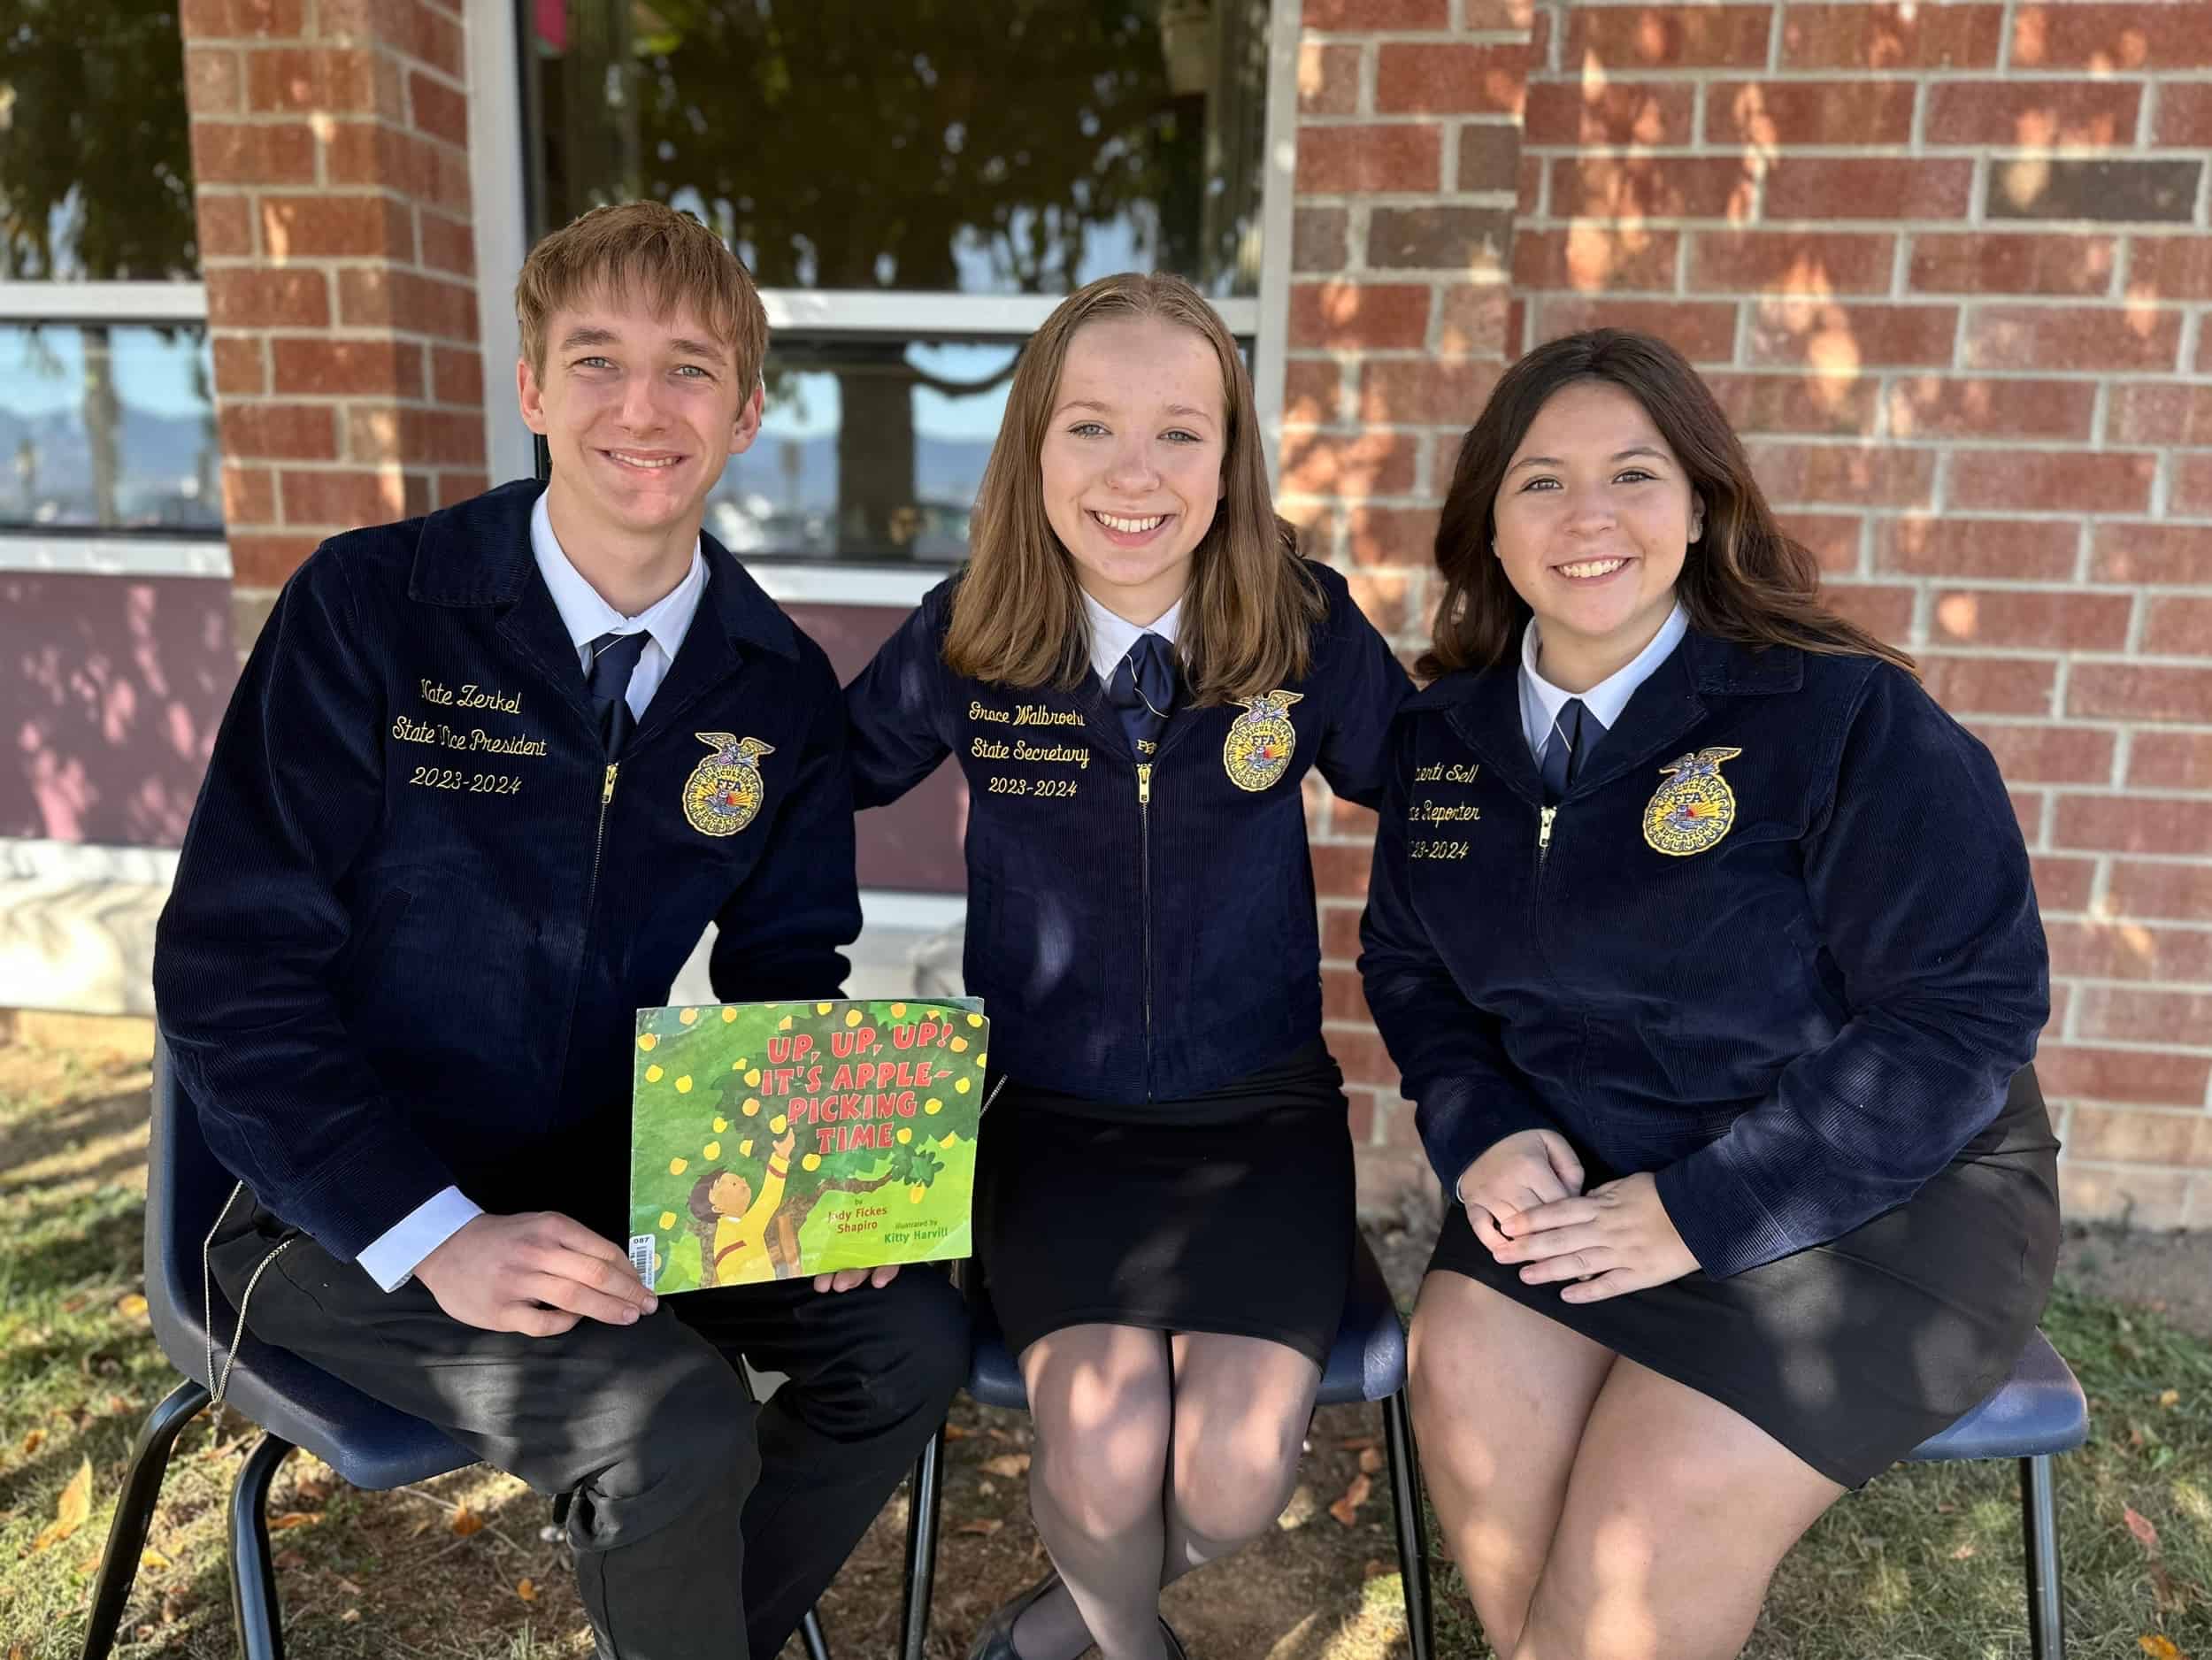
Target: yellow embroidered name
x,y
1025,715
1457,773
471,696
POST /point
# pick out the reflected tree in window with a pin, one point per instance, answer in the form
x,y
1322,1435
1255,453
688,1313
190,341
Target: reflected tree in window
x,y
934,145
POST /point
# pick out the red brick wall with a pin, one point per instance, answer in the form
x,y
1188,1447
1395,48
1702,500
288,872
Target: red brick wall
x,y
1409,138
1947,265
329,150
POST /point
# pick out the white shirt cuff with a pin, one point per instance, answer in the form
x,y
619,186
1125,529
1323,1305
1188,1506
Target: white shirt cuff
x,y
392,1259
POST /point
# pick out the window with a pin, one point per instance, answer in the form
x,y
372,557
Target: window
x,y
106,411
915,183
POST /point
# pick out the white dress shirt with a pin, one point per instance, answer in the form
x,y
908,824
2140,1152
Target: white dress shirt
x,y
1113,634
1541,700
390,1258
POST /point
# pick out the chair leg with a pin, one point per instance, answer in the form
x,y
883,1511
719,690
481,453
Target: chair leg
x,y
1413,1534
253,1588
924,1493
810,1635
2039,1515
135,1513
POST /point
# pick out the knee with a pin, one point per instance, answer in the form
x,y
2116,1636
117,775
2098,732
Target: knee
x,y
1235,1482
927,1331
1101,1472
690,1445
908,1358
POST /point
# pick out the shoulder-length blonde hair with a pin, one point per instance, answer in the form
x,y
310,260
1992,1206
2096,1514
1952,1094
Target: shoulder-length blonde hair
x,y
1744,579
1017,616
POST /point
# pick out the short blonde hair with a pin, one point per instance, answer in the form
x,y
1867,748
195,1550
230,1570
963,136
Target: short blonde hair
x,y
652,251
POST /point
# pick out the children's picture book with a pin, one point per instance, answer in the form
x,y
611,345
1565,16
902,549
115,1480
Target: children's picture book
x,y
773,1141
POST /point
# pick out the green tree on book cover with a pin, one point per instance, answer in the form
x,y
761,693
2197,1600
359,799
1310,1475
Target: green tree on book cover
x,y
770,1140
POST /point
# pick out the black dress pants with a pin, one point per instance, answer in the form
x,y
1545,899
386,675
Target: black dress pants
x,y
703,1526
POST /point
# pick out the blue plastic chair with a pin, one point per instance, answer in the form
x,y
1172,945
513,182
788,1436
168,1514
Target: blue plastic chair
x,y
1366,1363
2034,1415
296,1404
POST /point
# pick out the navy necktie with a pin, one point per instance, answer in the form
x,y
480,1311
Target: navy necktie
x,y
1574,733
1143,690
613,658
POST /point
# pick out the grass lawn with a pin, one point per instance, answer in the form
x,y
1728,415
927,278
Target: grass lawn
x,y
1925,1562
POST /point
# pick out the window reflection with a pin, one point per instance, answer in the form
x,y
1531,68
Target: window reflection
x,y
870,449
107,426
96,171
1020,147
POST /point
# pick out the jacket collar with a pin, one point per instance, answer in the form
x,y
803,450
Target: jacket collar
x,y
1483,707
478,553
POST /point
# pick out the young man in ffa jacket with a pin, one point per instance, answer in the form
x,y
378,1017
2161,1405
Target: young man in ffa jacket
x,y
487,779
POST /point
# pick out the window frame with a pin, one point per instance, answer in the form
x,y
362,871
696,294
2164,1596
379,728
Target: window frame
x,y
103,549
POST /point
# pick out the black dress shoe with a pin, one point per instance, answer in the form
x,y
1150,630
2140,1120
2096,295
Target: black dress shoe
x,y
996,1640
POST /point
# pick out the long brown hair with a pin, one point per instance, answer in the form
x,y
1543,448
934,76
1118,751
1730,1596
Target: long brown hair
x,y
1744,579
1018,614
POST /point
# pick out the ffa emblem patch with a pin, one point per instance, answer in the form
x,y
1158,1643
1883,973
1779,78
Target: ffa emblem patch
x,y
1695,808
725,791
1261,739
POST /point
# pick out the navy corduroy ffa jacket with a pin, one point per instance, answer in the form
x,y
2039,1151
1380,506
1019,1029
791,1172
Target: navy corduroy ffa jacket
x,y
418,903
1139,930
1793,1018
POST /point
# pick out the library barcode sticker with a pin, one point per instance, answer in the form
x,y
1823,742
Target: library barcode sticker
x,y
642,1255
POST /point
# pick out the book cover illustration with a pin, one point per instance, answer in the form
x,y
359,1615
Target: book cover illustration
x,y
776,1139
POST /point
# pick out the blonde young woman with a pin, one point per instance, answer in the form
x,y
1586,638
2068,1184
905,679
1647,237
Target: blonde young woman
x,y
1137,672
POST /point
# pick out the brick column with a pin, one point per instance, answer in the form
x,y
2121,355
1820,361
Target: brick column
x,y
1947,267
329,149
1408,136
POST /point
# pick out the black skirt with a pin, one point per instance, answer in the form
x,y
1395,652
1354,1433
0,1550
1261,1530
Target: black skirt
x,y
1852,1353
1229,1212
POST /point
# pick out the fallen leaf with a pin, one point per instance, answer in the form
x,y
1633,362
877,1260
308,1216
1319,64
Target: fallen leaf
x,y
2169,1397
996,1434
290,1559
1369,1461
1346,1508
1357,1443
526,1589
132,1307
1964,1553
72,1510
1374,1567
351,1617
155,1560
2145,1534
33,1439
172,1609
953,1431
293,1518
1007,1464
986,1528
2160,1648
466,1521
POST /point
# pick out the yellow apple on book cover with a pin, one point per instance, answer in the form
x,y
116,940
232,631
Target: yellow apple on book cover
x,y
775,1141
